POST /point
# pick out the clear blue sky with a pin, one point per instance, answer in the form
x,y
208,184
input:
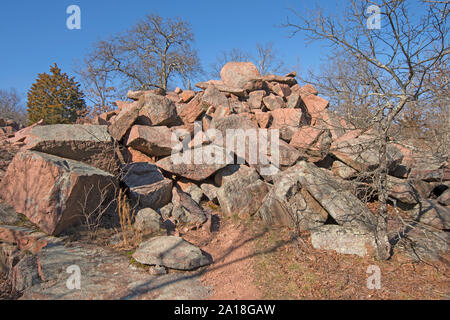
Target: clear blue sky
x,y
34,34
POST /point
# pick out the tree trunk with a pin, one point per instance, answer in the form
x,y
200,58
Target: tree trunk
x,y
382,241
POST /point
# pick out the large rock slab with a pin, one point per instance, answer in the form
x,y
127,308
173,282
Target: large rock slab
x,y
153,141
53,192
91,144
343,240
242,192
331,193
105,275
287,117
237,74
196,164
147,185
312,141
171,252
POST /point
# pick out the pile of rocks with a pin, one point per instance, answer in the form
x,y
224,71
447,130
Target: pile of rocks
x,y
138,148
8,128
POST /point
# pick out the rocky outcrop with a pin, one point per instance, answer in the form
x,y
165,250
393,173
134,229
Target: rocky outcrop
x,y
53,192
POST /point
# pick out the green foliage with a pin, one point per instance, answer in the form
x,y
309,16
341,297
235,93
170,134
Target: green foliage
x,y
55,98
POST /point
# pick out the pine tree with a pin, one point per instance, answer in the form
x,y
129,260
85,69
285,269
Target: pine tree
x,y
55,98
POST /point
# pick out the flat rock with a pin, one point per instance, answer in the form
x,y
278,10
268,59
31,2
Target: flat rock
x,y
171,252
343,240
91,144
105,275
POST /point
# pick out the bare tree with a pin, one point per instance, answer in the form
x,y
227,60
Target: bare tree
x,y
235,54
265,58
394,63
98,85
149,55
11,106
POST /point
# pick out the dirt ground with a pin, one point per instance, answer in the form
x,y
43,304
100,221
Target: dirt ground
x,y
254,262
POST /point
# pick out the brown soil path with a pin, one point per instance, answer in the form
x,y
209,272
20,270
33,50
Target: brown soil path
x,y
231,275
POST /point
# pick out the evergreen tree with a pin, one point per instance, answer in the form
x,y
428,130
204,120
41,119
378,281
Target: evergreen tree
x,y
55,98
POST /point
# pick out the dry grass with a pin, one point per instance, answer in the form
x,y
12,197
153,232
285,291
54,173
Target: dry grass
x,y
130,237
295,270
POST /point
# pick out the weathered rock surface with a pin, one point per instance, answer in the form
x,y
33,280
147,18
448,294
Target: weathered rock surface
x,y
431,170
53,192
343,240
361,153
402,190
152,141
196,164
186,210
125,119
431,213
242,192
105,275
171,252
148,221
237,74
329,191
192,111
147,185
90,144
444,198
289,203
273,102
157,111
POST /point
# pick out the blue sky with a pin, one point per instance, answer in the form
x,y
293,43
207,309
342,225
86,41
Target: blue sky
x,y
34,34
